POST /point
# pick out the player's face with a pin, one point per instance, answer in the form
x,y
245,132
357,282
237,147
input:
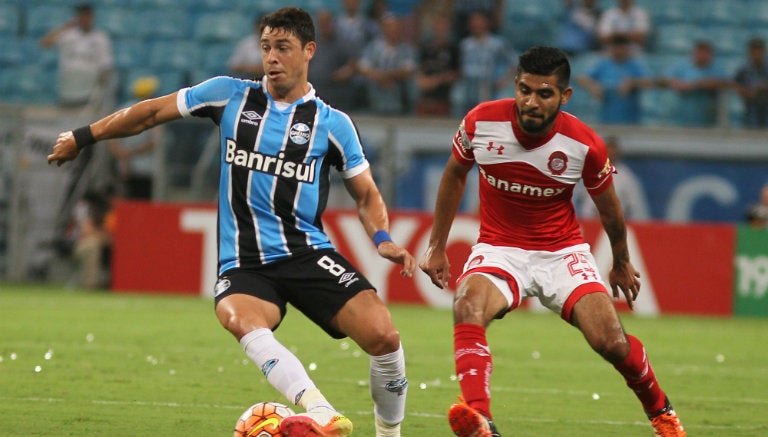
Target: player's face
x,y
285,63
538,101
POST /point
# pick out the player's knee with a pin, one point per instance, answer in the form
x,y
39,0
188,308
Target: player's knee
x,y
382,342
232,322
614,349
468,310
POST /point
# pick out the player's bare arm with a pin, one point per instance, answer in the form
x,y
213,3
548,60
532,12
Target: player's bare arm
x,y
623,275
435,261
372,212
123,123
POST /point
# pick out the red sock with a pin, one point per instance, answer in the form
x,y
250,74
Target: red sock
x,y
638,373
473,366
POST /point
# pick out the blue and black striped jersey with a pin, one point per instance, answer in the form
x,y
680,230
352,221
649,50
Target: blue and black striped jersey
x,y
275,165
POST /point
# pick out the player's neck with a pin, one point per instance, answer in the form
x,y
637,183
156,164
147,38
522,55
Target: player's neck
x,y
291,95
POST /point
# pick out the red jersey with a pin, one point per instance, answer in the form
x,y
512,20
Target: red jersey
x,y
526,183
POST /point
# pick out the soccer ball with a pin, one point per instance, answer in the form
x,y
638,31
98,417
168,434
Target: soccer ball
x,y
262,420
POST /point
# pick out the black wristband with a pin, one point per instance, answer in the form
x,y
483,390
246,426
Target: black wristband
x,y
83,137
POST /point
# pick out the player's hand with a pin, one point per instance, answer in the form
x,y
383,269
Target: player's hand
x,y
436,265
65,149
624,277
397,254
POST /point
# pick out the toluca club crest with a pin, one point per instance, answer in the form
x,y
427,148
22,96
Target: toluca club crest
x,y
558,163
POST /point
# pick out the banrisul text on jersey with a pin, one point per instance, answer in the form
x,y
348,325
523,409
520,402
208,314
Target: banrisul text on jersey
x,y
276,165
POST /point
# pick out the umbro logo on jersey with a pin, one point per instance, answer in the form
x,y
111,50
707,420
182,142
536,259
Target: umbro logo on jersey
x,y
250,117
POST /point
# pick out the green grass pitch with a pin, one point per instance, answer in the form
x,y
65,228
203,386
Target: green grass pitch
x,y
79,364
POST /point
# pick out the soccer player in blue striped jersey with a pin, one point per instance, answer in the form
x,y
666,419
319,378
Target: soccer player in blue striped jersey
x,y
278,144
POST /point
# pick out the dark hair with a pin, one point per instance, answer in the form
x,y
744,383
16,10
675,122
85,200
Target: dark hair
x,y
546,61
756,43
293,20
84,8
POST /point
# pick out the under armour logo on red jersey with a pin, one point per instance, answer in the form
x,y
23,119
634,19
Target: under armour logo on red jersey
x,y
492,147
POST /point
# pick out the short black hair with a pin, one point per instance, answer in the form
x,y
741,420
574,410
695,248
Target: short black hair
x,y
84,7
546,61
756,43
293,20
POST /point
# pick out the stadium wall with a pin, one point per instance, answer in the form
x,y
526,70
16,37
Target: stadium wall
x,y
703,269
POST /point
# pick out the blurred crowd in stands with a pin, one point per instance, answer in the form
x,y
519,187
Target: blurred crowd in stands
x,y
680,63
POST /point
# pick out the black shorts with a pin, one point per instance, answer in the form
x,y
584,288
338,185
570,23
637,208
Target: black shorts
x,y
317,283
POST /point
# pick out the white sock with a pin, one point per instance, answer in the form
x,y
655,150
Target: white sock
x,y
389,387
281,367
383,430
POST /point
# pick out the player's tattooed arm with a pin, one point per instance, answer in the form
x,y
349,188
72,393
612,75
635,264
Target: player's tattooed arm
x,y
623,277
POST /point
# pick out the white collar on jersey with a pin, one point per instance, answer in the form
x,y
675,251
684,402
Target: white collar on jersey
x,y
284,105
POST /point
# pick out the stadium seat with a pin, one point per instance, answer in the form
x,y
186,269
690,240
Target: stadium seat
x,y
27,86
582,63
543,10
152,4
116,21
667,11
224,26
128,52
530,32
715,12
728,40
251,8
582,104
162,23
214,56
8,84
41,19
210,5
9,20
660,63
755,13
180,55
34,54
677,38
657,106
11,52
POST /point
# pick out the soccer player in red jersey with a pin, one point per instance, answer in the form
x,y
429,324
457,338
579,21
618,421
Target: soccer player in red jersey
x,y
530,155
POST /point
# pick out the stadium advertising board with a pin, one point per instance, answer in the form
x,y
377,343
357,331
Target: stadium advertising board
x,y
686,269
751,286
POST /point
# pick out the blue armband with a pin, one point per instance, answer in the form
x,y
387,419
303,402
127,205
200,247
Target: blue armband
x,y
381,237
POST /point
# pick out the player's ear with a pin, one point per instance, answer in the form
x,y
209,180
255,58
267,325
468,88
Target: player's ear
x,y
566,95
309,49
